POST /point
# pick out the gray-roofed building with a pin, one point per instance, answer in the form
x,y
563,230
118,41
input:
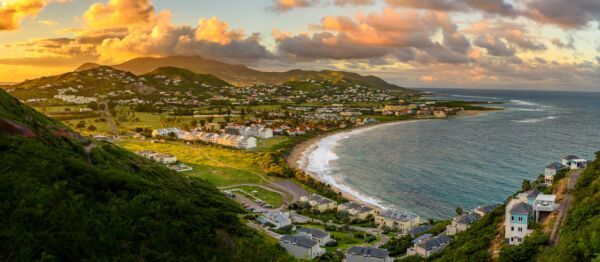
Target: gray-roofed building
x,y
301,247
430,246
356,211
367,254
516,221
521,208
315,234
461,223
277,219
484,210
402,221
418,230
318,202
422,238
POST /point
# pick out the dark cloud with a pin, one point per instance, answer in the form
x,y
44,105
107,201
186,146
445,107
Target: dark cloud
x,y
326,45
494,45
353,2
564,13
488,6
570,44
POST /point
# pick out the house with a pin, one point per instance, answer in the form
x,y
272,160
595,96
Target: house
x,y
403,221
318,202
422,238
356,211
516,221
277,219
484,210
165,132
528,197
550,171
367,254
315,234
419,229
461,223
544,203
165,159
301,247
429,246
573,162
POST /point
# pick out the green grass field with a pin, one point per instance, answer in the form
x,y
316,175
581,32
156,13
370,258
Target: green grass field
x,y
220,166
275,143
344,239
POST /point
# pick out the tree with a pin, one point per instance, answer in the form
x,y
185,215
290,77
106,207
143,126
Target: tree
x,y
91,128
459,211
93,105
80,125
526,185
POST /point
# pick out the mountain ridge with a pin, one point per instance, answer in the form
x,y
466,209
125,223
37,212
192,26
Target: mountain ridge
x,y
241,75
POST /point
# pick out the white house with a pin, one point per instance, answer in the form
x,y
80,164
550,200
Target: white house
x,y
164,132
516,221
367,254
301,247
356,211
318,202
573,162
544,203
277,219
315,234
550,171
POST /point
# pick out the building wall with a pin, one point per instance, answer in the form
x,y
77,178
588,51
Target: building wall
x,y
359,258
297,251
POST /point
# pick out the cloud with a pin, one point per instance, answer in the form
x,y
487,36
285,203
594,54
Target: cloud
x,y
120,13
494,45
12,12
564,13
50,23
570,44
353,2
215,31
515,35
488,6
287,5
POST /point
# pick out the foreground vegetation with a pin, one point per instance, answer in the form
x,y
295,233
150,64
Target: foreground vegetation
x,y
64,201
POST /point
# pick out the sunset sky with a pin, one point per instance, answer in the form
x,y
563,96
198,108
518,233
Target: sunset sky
x,y
534,44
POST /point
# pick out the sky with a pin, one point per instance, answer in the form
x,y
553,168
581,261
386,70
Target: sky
x,y
509,44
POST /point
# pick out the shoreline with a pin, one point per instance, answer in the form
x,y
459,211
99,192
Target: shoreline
x,y
298,157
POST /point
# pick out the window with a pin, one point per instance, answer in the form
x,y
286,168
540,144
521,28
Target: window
x,y
520,218
512,228
512,218
520,229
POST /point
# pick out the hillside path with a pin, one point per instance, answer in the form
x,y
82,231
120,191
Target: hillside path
x,y
564,207
111,121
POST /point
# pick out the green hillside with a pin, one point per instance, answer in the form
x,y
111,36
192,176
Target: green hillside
x,y
68,199
187,77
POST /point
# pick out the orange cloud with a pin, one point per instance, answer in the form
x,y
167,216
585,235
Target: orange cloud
x,y
286,5
13,11
215,31
120,13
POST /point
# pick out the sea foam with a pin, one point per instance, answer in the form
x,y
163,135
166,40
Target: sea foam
x,y
535,120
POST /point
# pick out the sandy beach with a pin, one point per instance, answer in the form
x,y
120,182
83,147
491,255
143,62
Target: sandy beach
x,y
298,158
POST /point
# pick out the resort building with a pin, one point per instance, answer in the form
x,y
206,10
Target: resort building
x,y
318,202
550,171
461,223
419,229
165,159
356,211
165,132
315,234
276,219
367,254
301,247
426,247
402,221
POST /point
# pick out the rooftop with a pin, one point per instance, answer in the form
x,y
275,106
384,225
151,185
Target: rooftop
x,y
314,232
468,218
435,242
367,252
422,238
420,229
570,157
487,208
299,241
542,197
521,208
395,215
554,165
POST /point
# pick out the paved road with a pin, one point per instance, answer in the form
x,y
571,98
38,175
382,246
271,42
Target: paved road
x,y
383,241
564,206
259,228
111,121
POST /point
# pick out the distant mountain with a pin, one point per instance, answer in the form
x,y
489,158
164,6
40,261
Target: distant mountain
x,y
241,75
66,198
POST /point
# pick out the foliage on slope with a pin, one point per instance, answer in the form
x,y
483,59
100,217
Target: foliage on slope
x,y
60,201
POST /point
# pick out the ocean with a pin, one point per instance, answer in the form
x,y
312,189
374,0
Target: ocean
x,y
431,167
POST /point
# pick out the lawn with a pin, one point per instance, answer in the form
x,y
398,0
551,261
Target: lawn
x,y
344,239
275,143
272,198
220,166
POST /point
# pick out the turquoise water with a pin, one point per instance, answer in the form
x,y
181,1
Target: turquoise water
x,y
432,167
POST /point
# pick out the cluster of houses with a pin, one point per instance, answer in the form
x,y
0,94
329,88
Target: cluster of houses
x,y
529,206
309,243
250,131
166,159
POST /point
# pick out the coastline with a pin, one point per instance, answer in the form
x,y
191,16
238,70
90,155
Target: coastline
x,y
298,157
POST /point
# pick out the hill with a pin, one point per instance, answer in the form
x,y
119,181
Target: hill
x,y
66,198
241,75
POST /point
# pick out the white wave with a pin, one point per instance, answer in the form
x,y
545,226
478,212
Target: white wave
x,y
529,109
535,120
524,103
482,97
318,159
